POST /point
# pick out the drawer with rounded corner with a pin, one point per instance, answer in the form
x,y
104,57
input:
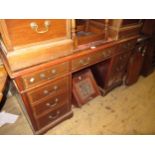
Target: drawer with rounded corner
x,y
37,77
52,116
50,89
51,103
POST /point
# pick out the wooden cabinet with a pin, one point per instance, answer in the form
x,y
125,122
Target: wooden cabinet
x,y
42,55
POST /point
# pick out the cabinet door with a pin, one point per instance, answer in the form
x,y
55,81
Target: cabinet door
x,y
117,70
136,62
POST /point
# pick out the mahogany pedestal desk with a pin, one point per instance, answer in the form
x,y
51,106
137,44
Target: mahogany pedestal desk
x,y
41,69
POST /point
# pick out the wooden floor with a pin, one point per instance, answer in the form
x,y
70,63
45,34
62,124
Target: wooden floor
x,y
125,110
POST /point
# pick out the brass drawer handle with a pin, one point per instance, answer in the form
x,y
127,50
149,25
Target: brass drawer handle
x,y
32,79
42,76
34,26
53,71
46,92
54,116
104,53
55,87
85,62
53,104
80,78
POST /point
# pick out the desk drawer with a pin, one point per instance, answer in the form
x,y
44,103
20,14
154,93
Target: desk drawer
x,y
43,75
51,89
126,46
52,116
82,62
28,31
87,60
92,58
51,103
107,52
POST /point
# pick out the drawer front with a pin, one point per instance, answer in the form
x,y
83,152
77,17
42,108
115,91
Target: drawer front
x,y
27,31
106,53
81,62
129,32
92,58
40,76
51,103
126,46
52,116
51,89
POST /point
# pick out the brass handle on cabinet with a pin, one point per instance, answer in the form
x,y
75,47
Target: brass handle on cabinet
x,y
46,92
42,75
34,26
53,71
55,116
86,62
32,79
55,87
54,104
104,53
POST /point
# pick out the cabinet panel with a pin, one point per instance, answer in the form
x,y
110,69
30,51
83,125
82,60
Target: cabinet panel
x,y
28,31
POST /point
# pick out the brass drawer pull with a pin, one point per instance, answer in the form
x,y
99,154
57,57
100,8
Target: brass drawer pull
x,y
32,79
53,71
54,116
55,87
80,78
104,53
34,26
54,104
85,62
42,76
45,92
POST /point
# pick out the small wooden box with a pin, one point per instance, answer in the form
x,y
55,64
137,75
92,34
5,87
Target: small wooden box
x,y
84,87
